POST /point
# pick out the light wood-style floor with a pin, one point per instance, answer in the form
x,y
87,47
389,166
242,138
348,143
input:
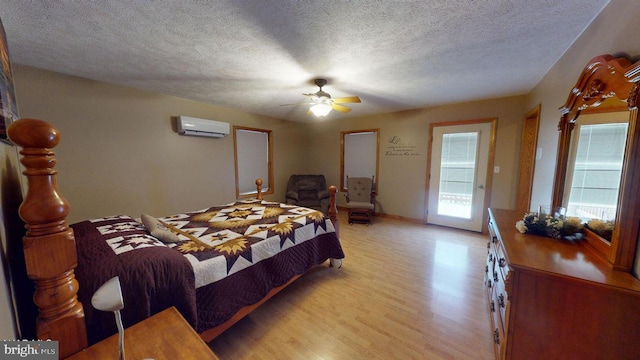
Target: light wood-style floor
x,y
405,291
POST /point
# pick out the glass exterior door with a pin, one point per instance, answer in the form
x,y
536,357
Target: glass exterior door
x,y
459,158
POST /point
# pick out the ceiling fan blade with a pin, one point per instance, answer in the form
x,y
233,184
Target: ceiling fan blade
x,y
302,103
348,99
340,108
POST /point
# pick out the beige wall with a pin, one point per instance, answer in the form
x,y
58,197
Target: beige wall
x,y
402,179
16,293
9,176
120,154
615,31
104,125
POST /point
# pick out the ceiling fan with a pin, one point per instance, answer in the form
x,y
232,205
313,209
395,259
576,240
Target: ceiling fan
x,y
321,102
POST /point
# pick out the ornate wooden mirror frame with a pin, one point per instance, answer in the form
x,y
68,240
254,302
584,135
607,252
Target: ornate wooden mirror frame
x,y
605,77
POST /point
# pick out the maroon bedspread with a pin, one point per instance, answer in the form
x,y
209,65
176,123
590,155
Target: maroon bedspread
x,y
155,276
219,301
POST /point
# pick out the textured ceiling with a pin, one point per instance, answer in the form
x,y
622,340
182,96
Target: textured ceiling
x,y
254,55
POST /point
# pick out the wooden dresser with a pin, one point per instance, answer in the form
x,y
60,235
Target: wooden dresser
x,y
554,299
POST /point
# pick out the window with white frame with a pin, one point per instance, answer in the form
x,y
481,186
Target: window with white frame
x,y
359,155
253,152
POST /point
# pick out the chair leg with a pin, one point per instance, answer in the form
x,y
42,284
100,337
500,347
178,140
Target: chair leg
x,y
361,216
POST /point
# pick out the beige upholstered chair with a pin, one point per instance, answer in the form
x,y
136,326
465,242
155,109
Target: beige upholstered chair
x,y
360,199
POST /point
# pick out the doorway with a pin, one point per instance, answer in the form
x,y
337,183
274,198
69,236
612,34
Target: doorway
x,y
460,173
527,159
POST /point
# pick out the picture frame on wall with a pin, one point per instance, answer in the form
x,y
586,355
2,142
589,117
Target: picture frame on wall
x,y
8,110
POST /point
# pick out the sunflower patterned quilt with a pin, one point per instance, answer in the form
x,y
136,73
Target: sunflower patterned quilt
x,y
227,257
222,240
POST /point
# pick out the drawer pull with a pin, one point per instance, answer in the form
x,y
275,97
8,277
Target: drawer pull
x,y
502,262
496,337
501,300
495,276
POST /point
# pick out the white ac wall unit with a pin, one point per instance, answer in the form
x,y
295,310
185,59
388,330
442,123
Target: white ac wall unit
x,y
201,127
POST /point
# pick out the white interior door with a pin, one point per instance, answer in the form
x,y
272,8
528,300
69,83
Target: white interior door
x,y
457,183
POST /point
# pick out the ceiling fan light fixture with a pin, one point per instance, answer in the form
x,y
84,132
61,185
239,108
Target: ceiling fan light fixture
x,y
320,103
321,109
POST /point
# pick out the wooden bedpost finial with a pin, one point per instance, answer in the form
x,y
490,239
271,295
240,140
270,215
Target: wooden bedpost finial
x,y
259,189
49,244
32,133
37,138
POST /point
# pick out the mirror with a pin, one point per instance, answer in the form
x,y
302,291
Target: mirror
x,y
594,167
607,88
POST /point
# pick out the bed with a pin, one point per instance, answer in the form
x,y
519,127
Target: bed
x,y
215,265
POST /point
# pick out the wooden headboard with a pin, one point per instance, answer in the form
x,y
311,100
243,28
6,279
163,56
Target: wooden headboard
x,y
49,243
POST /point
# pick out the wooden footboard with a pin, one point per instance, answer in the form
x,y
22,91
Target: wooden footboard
x,y
333,209
49,244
